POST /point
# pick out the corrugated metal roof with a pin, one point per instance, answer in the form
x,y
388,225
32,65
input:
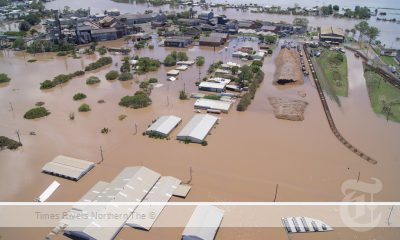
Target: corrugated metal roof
x,y
212,85
164,124
332,30
197,128
203,223
68,167
204,103
161,192
131,185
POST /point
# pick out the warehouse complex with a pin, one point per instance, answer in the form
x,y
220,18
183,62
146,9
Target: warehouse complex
x,y
133,185
68,167
197,129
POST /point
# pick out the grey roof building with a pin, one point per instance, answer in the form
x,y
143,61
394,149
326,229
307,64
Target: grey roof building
x,y
67,167
197,129
203,224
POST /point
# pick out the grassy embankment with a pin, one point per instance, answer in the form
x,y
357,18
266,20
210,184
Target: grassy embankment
x,y
334,71
384,97
386,59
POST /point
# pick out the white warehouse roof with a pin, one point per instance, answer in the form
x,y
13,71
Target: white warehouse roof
x,y
197,128
204,223
204,103
68,167
212,85
131,185
161,192
164,125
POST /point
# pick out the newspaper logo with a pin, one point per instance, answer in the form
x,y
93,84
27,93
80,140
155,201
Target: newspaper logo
x,y
360,217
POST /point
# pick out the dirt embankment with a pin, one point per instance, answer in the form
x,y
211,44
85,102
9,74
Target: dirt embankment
x,y
288,68
289,109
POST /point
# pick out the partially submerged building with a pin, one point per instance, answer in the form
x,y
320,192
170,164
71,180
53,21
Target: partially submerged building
x,y
214,40
197,129
104,34
203,224
212,87
164,125
68,167
331,34
133,185
178,41
206,104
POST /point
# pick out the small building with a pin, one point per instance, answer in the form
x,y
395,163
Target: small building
x,y
189,22
389,52
178,41
68,167
331,34
258,56
173,73
203,224
104,34
197,129
212,87
182,68
164,125
206,104
269,28
206,15
210,41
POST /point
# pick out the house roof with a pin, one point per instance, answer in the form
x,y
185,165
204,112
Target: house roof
x,y
212,104
211,39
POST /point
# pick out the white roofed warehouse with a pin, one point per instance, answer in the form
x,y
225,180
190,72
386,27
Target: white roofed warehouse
x,y
212,87
164,125
197,129
203,224
204,103
68,167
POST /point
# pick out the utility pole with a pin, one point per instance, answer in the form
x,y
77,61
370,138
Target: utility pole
x,y
190,176
276,191
101,154
358,178
135,129
19,139
390,214
11,106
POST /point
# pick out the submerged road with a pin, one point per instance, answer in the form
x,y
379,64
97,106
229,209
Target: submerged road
x,y
329,115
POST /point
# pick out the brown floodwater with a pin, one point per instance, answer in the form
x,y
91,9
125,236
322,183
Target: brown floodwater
x,y
248,153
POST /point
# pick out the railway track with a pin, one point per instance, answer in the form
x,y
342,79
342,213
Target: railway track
x,y
328,114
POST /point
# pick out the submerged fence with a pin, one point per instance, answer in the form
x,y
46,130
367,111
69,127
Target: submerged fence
x,y
329,115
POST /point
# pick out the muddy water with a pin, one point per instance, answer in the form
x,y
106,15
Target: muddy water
x,y
248,152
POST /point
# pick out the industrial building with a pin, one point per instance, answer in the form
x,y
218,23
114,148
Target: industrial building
x,y
212,87
178,41
164,125
197,129
132,185
67,167
206,104
203,224
331,34
161,192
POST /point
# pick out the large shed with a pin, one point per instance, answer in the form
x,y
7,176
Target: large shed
x,y
164,125
160,193
203,224
68,167
197,128
212,86
132,185
204,103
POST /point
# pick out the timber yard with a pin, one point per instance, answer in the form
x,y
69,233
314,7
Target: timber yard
x,y
132,103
